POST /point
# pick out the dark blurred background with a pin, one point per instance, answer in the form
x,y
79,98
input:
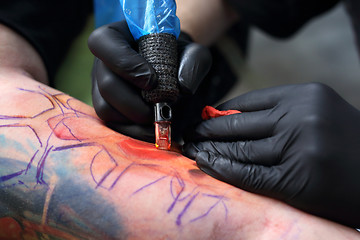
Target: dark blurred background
x,y
323,51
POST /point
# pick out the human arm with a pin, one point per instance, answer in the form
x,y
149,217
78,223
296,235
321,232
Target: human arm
x,y
297,143
38,33
18,54
64,174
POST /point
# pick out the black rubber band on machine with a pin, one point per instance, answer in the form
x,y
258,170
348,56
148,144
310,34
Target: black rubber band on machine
x,y
160,50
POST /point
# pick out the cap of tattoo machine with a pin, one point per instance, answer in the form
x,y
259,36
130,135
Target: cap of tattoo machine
x,y
162,123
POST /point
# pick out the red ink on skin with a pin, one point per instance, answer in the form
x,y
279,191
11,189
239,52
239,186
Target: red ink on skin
x,y
9,228
72,127
144,150
210,112
61,129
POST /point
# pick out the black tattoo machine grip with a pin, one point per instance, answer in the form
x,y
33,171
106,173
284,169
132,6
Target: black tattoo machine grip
x,y
160,50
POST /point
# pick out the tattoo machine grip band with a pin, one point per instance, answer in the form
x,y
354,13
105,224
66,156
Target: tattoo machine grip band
x,y
160,50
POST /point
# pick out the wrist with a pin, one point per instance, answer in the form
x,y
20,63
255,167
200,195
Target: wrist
x,y
212,19
19,55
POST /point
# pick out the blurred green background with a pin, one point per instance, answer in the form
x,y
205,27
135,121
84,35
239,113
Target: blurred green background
x,y
74,75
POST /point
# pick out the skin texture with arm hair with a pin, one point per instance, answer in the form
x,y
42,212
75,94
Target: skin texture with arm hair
x,y
64,175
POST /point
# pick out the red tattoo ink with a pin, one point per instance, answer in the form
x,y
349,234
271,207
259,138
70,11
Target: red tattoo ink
x,y
210,112
144,150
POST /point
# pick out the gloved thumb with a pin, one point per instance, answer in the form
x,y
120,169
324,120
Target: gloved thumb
x,y
195,63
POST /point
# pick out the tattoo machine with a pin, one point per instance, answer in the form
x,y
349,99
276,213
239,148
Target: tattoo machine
x,y
155,26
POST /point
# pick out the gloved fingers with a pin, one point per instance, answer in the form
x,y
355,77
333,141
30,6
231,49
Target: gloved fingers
x,y
256,100
241,126
104,110
260,152
140,132
122,96
195,63
112,44
254,178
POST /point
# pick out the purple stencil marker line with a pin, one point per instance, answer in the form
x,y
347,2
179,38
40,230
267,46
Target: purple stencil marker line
x,y
148,185
175,201
37,136
108,172
89,144
11,125
120,175
55,97
32,91
6,117
103,178
91,165
109,155
18,125
72,134
40,168
44,111
76,111
189,194
171,189
226,209
51,98
62,122
59,94
179,179
42,94
207,212
10,176
181,214
31,161
22,183
70,108
213,196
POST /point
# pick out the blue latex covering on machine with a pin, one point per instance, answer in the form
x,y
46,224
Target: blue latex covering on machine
x,y
142,16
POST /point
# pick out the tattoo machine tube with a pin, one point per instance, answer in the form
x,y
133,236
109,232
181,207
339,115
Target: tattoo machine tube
x,y
155,26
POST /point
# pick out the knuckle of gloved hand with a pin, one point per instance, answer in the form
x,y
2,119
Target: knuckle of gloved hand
x,y
101,109
95,39
317,90
106,85
313,155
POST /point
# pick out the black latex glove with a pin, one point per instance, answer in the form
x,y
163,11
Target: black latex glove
x,y
120,73
296,143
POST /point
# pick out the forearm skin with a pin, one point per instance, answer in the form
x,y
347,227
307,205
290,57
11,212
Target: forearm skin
x,y
64,174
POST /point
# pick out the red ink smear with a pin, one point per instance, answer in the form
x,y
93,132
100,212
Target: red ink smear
x,y
210,112
72,127
9,228
61,129
144,150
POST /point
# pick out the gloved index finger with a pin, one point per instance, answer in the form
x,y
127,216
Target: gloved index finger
x,y
113,45
246,125
256,100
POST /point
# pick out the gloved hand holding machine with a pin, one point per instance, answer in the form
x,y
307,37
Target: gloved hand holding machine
x,y
154,25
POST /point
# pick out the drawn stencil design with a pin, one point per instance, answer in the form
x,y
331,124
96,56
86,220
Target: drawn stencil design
x,y
65,122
